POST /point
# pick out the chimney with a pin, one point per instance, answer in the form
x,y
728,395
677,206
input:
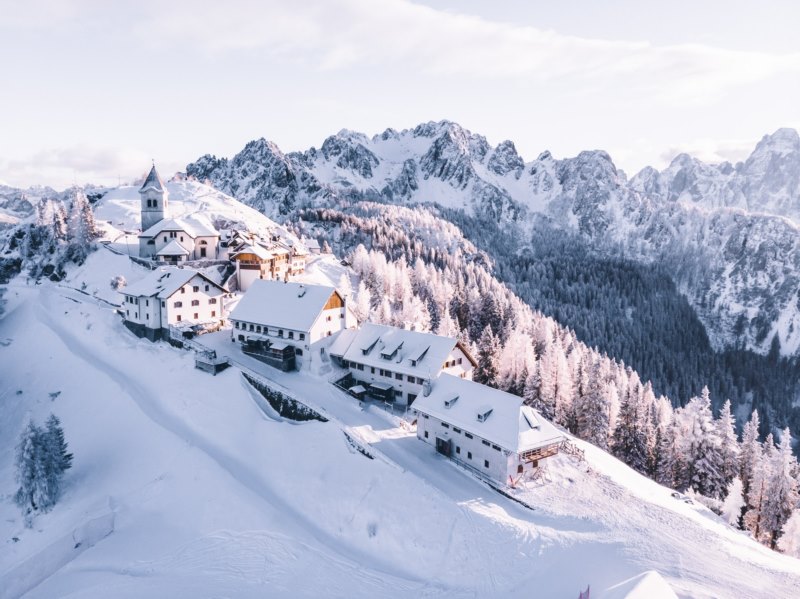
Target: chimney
x,y
426,387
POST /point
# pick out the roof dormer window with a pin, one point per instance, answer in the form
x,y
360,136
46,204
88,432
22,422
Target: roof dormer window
x,y
449,403
484,413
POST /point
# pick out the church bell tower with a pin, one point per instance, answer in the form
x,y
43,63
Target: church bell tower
x,y
153,195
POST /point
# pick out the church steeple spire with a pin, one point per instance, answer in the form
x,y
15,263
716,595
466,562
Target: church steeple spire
x,y
153,195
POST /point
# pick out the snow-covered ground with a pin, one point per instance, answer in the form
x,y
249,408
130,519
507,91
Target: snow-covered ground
x,y
182,486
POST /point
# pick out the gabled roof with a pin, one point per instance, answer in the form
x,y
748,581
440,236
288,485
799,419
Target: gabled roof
x,y
163,282
256,249
280,305
193,226
173,248
153,181
409,352
504,420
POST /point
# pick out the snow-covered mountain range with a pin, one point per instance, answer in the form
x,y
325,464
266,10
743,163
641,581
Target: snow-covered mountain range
x,y
728,232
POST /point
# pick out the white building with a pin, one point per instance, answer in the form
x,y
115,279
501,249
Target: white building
x,y
276,321
394,364
169,297
487,430
172,240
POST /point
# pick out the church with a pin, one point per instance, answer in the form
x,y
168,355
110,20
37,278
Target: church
x,y
172,240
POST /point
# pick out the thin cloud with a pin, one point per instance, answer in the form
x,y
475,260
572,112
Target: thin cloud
x,y
346,34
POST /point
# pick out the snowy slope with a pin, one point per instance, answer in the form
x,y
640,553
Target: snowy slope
x,y
208,496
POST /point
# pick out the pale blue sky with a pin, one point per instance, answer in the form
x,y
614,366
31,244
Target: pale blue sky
x,y
95,89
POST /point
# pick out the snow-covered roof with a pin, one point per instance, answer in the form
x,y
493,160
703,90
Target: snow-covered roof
x,y
255,249
153,181
342,341
163,282
194,226
491,414
399,350
173,248
282,305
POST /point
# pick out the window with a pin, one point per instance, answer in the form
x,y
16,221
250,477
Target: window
x,y
195,316
291,334
469,455
236,325
398,393
181,237
163,304
372,369
398,376
206,287
341,315
485,442
330,333
302,336
147,302
195,302
456,430
468,435
177,305
519,469
195,288
252,328
179,317
458,449
258,328
485,463
445,425
212,300
213,313
298,351
165,239
280,332
360,366
410,378
426,434
459,360
183,289
426,416
328,318
495,447
127,312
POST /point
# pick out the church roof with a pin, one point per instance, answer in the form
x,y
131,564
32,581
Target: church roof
x,y
173,248
153,181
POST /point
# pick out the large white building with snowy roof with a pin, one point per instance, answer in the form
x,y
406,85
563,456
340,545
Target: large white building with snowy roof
x,y
275,320
394,364
172,297
485,429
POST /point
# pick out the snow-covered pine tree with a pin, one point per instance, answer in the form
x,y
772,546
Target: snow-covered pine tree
x,y
27,462
593,408
757,497
782,494
671,468
82,229
702,444
733,503
789,541
488,354
363,303
750,452
728,445
633,436
57,445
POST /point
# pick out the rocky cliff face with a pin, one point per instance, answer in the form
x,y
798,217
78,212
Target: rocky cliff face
x,y
727,232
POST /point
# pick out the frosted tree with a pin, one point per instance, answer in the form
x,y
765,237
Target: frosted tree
x,y
633,437
81,228
344,286
363,302
488,356
57,445
41,459
516,360
446,326
733,503
564,393
782,494
702,445
789,541
671,467
757,498
750,452
728,445
593,407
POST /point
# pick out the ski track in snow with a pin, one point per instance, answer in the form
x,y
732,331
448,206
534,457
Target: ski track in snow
x,y
239,471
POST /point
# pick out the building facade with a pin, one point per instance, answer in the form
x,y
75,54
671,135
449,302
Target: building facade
x,y
303,317
484,429
395,364
172,297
